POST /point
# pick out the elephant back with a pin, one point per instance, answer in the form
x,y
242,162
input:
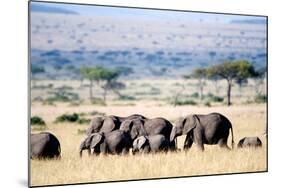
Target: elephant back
x,y
45,145
158,126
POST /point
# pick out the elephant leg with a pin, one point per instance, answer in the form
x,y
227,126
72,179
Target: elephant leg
x,y
223,143
198,139
188,143
89,151
125,151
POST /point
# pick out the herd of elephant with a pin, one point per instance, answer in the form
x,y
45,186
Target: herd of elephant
x,y
117,135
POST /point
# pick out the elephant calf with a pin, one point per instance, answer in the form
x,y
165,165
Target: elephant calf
x,y
44,145
153,143
115,142
249,142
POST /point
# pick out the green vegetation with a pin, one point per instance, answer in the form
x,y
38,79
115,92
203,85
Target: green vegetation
x,y
38,121
62,94
104,78
261,99
232,71
84,121
184,102
214,98
67,118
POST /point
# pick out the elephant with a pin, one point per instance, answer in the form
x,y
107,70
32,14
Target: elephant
x,y
203,129
44,145
147,127
115,142
249,142
108,123
153,143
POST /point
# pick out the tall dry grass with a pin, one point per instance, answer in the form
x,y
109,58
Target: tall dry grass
x,y
247,121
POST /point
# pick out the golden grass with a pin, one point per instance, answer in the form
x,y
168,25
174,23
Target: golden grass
x,y
247,120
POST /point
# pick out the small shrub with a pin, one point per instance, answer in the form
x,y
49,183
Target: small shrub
x,y
207,103
214,98
194,95
67,118
84,121
36,120
185,102
127,98
98,101
261,99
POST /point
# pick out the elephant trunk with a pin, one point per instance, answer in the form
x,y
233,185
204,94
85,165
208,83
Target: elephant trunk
x,y
172,135
80,152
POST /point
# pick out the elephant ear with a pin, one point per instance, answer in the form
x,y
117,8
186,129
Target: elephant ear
x,y
87,142
141,141
134,130
109,125
189,123
96,140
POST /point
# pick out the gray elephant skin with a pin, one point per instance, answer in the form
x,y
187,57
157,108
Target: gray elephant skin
x,y
249,142
107,124
115,142
153,143
203,129
146,127
44,145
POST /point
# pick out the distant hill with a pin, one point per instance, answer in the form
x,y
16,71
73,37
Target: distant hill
x,y
252,21
49,9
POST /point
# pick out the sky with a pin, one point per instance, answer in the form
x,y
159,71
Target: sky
x,y
91,10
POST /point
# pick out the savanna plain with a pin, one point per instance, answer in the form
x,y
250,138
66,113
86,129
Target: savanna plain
x,y
248,119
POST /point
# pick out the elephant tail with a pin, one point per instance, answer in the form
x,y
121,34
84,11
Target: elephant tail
x,y
232,137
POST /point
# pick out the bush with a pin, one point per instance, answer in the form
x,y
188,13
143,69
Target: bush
x,y
214,98
261,99
208,104
84,121
127,98
67,118
185,102
194,95
98,101
36,120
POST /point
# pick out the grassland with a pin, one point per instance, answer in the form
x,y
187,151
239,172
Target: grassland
x,y
248,119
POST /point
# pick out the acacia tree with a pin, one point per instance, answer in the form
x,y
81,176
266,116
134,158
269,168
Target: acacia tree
x,y
90,74
232,71
104,78
200,74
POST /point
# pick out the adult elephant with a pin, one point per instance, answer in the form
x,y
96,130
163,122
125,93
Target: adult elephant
x,y
203,129
115,142
146,127
249,142
108,124
44,145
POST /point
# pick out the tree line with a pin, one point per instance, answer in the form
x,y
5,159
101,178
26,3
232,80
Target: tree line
x,y
237,71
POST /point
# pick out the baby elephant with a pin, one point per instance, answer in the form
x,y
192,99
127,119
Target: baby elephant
x,y
44,145
152,143
115,142
249,142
